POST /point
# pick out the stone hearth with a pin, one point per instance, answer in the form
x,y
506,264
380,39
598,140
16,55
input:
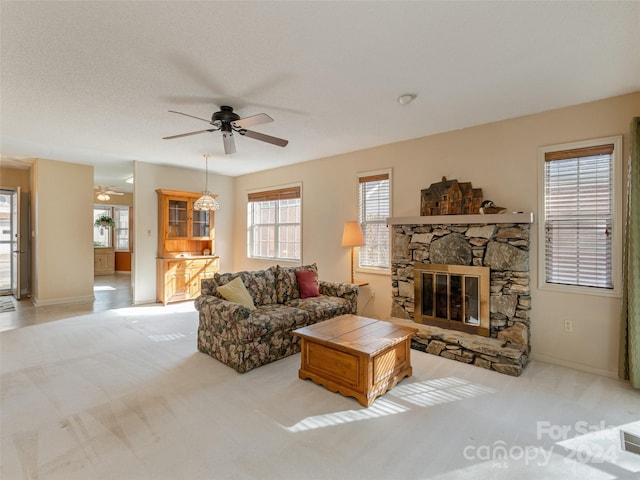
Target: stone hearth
x,y
500,242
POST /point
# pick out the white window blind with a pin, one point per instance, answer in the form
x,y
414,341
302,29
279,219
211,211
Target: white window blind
x,y
578,212
374,206
274,224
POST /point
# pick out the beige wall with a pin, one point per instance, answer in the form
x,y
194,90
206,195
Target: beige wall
x,y
62,232
501,158
15,177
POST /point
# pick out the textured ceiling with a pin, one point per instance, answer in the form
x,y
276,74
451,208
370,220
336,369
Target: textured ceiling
x,y
92,82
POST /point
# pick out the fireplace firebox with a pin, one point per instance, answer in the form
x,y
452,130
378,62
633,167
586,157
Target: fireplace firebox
x,y
453,296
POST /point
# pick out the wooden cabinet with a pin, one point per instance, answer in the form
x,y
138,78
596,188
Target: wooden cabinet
x,y
186,244
104,262
179,278
181,229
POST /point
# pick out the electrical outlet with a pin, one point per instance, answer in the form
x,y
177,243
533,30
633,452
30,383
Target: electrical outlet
x,y
372,295
568,326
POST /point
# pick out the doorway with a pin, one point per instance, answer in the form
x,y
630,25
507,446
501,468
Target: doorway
x,y
12,246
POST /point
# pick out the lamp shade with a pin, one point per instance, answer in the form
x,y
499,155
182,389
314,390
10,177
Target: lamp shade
x,y
206,202
352,235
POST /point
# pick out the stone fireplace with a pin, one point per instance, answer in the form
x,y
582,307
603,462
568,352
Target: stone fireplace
x,y
442,252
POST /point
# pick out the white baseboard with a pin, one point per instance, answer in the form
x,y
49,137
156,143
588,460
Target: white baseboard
x,y
60,301
575,366
145,302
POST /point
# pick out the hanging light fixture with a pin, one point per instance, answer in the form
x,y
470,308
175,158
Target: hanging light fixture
x,y
206,201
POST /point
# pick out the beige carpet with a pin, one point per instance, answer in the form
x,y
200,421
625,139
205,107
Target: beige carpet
x,y
125,395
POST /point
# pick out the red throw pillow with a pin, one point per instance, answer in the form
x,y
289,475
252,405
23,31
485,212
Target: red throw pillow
x,y
307,283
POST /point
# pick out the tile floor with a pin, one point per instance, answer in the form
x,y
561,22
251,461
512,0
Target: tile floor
x,y
111,291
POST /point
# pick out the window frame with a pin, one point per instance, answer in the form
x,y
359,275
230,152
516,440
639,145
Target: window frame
x,y
250,225
118,228
373,173
617,220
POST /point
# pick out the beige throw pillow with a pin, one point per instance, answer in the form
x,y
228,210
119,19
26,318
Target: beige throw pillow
x,y
235,291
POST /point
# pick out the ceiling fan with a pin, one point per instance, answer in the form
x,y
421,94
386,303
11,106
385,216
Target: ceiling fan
x,y
104,193
227,121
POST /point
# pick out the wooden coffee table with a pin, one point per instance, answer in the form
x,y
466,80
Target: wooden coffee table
x,y
356,356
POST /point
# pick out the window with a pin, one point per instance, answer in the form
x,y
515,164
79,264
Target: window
x,y
121,233
101,235
374,205
580,229
274,224
117,237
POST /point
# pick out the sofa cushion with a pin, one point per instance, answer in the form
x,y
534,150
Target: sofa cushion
x,y
307,283
322,307
208,286
260,284
267,319
287,283
235,291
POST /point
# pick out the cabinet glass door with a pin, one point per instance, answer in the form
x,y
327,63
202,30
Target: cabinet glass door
x,y
200,223
177,218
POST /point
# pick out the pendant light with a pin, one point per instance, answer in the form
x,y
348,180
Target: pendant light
x,y
206,201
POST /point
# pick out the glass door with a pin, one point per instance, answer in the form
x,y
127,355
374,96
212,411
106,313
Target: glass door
x,y
10,253
178,226
16,252
200,224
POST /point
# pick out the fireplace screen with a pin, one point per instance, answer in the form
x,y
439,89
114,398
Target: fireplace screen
x,y
452,296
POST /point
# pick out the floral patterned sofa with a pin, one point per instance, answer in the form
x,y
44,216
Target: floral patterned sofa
x,y
245,339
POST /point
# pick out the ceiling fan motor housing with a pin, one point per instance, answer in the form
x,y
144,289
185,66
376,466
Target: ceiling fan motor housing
x,y
226,115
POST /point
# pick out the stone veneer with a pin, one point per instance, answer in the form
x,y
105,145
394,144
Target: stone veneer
x,y
504,248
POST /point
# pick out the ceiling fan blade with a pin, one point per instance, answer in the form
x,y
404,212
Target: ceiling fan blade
x,y
192,116
229,143
190,133
281,142
111,192
253,120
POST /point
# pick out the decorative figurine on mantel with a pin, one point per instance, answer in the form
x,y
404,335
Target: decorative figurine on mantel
x,y
450,197
488,207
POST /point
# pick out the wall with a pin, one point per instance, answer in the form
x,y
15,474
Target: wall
x,y
501,158
62,232
150,177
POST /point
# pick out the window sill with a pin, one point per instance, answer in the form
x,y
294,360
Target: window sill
x,y
590,291
274,259
374,271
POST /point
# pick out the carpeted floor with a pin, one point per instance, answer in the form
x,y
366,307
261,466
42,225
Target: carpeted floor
x,y
7,305
124,394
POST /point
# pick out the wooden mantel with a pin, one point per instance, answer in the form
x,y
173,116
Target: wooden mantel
x,y
520,217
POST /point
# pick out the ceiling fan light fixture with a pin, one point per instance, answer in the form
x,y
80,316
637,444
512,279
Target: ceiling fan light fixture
x,y
103,197
406,98
206,202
